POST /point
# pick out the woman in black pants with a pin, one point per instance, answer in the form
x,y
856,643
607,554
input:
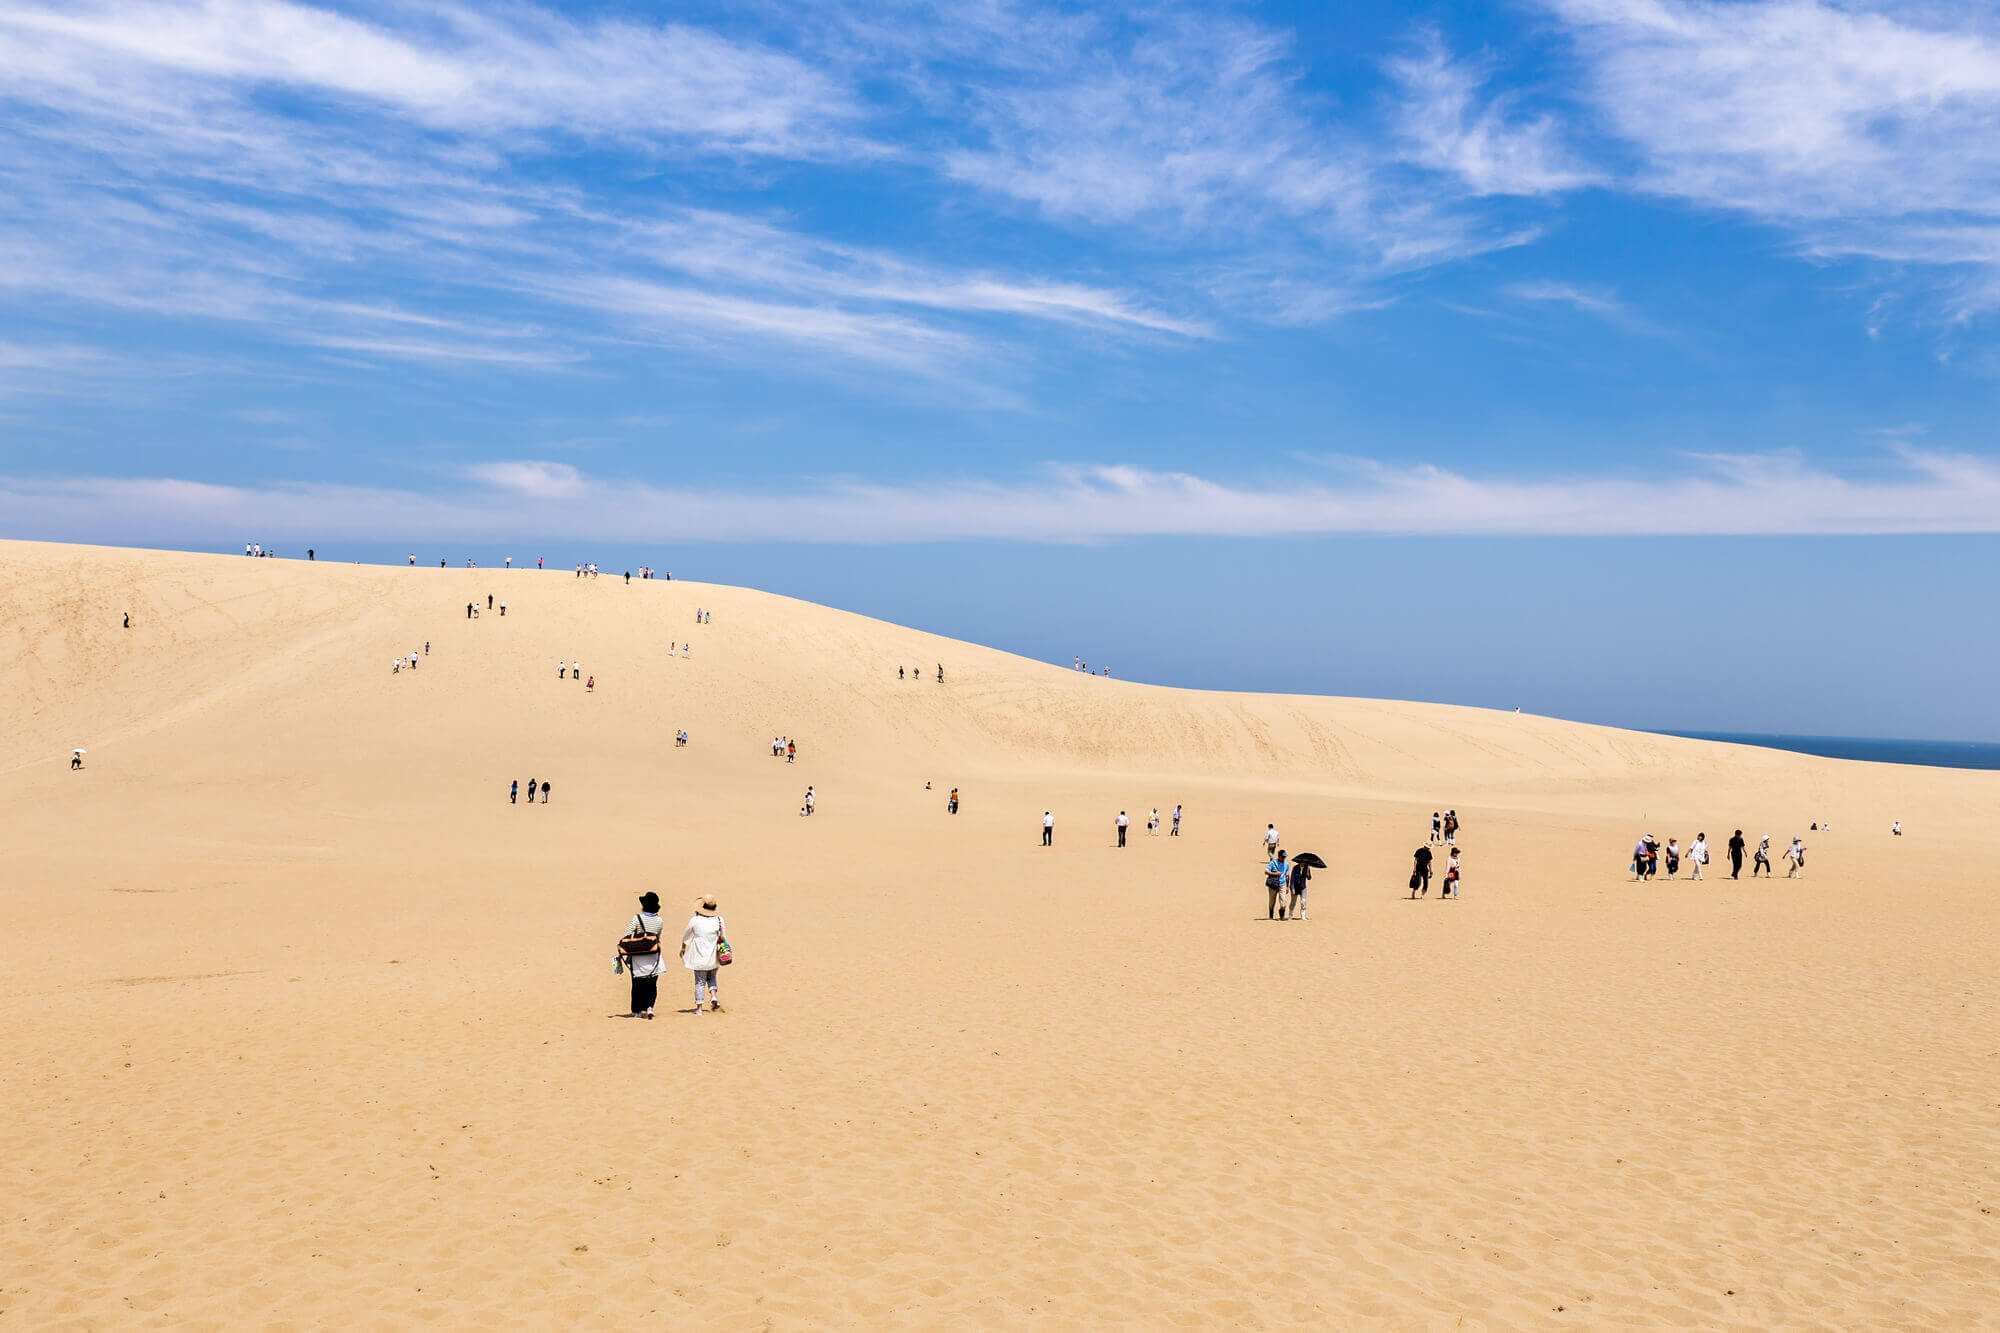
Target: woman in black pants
x,y
643,962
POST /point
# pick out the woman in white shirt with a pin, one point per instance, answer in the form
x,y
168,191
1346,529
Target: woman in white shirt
x,y
698,945
645,967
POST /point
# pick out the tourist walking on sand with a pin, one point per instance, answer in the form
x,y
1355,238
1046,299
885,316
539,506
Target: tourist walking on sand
x,y
1896,828
1673,856
952,807
1420,873
1175,832
1698,853
701,953
1451,826
1123,822
514,793
1639,858
562,669
1048,829
1796,854
1763,861
640,953
1153,823
1437,827
545,791
1277,873
1270,839
1736,854
576,671
1451,874
1301,877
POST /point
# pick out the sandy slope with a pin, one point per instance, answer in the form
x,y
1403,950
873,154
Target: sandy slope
x,y
308,1025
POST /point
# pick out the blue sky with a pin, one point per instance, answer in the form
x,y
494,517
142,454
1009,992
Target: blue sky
x,y
1566,301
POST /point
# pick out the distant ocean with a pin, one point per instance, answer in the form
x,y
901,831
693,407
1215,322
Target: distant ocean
x,y
1934,754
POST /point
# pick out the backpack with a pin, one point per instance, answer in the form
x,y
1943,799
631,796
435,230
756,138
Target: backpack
x,y
640,943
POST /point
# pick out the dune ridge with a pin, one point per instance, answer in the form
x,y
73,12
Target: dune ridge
x,y
310,1024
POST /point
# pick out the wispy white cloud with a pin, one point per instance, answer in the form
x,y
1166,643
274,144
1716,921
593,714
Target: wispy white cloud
x,y
542,480
1449,122
1196,126
1601,303
1870,130
442,66
306,171
1915,492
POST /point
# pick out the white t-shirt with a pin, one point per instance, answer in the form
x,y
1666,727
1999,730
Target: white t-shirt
x,y
1048,821
1271,837
1123,821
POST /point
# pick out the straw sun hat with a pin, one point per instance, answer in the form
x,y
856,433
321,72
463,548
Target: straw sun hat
x,y
706,907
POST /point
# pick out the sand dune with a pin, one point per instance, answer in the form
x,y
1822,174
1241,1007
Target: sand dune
x,y
309,1025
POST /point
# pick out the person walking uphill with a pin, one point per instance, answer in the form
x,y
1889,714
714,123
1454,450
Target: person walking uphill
x,y
1277,884
704,948
639,953
1420,873
1124,822
1048,829
1736,855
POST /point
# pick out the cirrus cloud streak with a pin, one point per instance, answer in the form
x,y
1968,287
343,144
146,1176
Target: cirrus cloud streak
x,y
1764,494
